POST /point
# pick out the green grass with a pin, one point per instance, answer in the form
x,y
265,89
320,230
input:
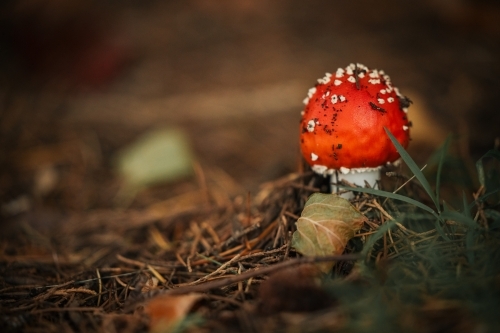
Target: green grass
x,y
429,254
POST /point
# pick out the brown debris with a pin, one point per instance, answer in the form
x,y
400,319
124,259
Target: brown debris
x,y
295,289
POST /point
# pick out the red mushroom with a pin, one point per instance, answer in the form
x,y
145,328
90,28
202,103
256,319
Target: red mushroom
x,y
342,126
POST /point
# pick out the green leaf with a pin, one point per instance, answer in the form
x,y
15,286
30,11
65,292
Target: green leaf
x,y
325,226
414,168
158,156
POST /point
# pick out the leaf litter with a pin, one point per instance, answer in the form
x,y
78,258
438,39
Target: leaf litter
x,y
230,263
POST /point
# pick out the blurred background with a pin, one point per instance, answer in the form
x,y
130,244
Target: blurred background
x,y
81,81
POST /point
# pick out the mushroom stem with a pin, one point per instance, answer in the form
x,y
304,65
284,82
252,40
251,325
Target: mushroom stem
x,y
371,177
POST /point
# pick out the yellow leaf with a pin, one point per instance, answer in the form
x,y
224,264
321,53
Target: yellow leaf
x,y
325,226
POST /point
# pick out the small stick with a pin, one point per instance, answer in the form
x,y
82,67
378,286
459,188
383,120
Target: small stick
x,y
156,274
58,309
202,182
65,292
305,187
288,245
123,284
404,184
158,239
183,263
211,232
293,216
382,210
217,271
194,244
195,228
100,285
219,283
130,261
239,234
51,291
240,283
368,233
278,234
190,270
231,251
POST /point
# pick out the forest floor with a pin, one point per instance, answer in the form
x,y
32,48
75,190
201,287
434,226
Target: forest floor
x,y
211,251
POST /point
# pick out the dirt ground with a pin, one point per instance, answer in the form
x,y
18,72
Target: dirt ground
x,y
233,74
80,81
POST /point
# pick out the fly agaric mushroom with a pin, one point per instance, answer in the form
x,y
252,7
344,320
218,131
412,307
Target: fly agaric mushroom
x,y
342,126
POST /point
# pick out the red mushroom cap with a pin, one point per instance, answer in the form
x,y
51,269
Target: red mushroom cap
x,y
342,126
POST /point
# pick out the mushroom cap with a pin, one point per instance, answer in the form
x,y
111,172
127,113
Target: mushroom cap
x,y
342,125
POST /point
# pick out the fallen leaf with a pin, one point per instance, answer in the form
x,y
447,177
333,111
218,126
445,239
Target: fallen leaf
x,y
159,156
325,226
166,312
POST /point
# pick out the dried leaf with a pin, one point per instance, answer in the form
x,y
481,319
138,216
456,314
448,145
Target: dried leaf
x,y
325,226
165,312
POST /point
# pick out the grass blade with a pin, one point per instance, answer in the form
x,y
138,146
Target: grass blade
x,y
391,195
483,198
375,237
494,216
466,206
414,169
442,155
460,218
480,167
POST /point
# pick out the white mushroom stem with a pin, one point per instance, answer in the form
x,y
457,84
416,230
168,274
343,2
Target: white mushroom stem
x,y
354,176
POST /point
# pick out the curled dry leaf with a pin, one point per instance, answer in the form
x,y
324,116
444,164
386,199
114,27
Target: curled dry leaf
x,y
325,226
165,312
